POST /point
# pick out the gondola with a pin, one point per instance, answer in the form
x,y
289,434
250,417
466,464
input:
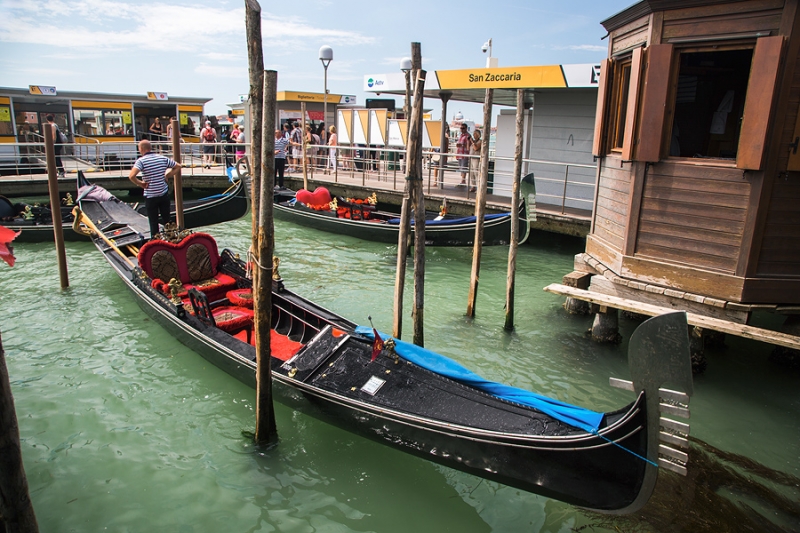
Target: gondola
x,y
365,222
37,224
397,394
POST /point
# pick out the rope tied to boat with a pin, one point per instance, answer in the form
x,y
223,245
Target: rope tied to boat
x,y
251,258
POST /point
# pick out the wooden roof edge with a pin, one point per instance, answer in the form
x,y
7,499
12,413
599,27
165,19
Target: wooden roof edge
x,y
645,7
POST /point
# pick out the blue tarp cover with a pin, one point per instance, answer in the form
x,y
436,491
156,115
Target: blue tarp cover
x,y
451,221
569,414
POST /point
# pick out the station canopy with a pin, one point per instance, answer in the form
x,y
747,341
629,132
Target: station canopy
x,y
469,85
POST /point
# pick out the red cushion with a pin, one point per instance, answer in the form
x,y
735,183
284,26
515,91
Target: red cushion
x,y
241,297
231,318
178,251
320,196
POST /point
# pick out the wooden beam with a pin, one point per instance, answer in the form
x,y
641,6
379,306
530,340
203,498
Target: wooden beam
x,y
723,326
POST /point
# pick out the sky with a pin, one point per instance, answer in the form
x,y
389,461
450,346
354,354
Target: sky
x,y
198,48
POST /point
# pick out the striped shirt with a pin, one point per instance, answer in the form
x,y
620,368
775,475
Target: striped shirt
x,y
153,168
280,147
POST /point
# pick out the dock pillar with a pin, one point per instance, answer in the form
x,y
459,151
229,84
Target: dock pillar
x,y
697,345
605,327
786,356
577,307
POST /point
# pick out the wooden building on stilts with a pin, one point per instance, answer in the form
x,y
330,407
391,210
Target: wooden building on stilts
x,y
698,179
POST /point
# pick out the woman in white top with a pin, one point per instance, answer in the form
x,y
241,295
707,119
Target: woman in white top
x,y
333,142
475,163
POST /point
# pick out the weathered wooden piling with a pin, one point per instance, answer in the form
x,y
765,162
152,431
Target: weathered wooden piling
x,y
417,195
255,62
16,509
512,248
262,176
480,204
178,179
55,203
266,432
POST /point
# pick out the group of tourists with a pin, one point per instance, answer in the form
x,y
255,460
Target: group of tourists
x,y
467,146
294,141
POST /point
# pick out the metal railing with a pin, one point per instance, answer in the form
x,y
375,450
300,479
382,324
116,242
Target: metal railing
x,y
560,184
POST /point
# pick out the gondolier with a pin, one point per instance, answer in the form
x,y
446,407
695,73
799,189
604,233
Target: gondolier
x,y
155,170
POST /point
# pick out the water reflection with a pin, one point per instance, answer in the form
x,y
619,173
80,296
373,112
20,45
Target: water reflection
x,y
125,428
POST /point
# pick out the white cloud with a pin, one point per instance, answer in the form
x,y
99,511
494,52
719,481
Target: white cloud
x,y
156,27
222,71
584,47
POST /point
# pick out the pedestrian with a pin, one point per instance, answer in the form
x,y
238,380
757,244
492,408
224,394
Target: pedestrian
x,y
58,138
475,162
230,145
208,138
333,143
311,142
296,140
155,170
240,147
281,143
439,169
462,150
156,130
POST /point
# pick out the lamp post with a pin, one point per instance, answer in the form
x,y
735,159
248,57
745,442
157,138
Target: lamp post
x,y
405,66
491,62
326,56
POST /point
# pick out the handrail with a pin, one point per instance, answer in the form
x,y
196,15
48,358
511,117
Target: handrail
x,y
79,136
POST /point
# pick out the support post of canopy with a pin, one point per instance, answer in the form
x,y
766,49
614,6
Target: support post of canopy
x,y
55,202
480,204
303,143
512,248
178,180
443,140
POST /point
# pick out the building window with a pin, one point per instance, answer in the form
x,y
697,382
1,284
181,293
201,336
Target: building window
x,y
709,103
102,122
619,110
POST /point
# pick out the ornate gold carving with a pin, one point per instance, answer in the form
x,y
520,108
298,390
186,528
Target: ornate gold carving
x,y
276,261
175,287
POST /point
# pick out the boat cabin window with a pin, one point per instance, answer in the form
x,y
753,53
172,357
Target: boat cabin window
x,y
102,122
619,101
709,103
190,123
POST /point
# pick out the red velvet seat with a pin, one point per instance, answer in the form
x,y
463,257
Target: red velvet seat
x,y
229,318
194,261
241,297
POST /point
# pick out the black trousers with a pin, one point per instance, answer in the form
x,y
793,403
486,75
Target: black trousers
x,y
58,151
155,207
280,168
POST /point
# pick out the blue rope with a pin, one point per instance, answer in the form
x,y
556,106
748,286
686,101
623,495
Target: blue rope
x,y
645,459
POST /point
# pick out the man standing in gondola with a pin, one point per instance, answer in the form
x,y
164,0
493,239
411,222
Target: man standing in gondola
x,y
155,170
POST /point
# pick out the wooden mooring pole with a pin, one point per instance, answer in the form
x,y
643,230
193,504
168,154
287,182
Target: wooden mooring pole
x,y
266,432
255,61
480,204
512,248
303,143
262,232
405,213
417,195
16,509
55,203
178,183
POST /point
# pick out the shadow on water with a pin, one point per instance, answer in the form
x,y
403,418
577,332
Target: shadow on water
x,y
722,492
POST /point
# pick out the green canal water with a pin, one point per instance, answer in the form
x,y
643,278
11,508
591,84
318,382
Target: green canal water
x,y
125,429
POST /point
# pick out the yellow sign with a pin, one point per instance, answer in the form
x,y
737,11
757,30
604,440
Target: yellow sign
x,y
157,96
126,117
237,112
502,78
184,118
294,96
5,114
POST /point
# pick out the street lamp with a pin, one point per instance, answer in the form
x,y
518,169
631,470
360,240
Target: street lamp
x,y
491,62
326,56
405,66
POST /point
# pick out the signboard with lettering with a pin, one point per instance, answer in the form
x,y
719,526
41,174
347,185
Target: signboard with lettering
x,y
183,118
157,96
5,114
42,90
126,117
549,76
